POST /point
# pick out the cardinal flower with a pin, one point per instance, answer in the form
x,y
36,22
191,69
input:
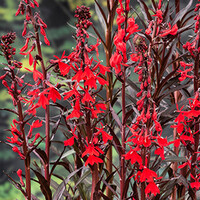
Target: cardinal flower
x,y
64,67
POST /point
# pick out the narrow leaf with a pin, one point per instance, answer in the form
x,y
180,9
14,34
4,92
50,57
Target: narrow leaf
x,y
43,185
181,13
115,117
101,15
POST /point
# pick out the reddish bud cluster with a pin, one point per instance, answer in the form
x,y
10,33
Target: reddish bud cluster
x,y
83,15
6,48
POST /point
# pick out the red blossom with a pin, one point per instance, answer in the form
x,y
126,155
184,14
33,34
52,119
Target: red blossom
x,y
76,111
171,30
19,174
152,188
134,157
43,100
92,160
147,175
15,149
69,142
160,152
53,94
115,62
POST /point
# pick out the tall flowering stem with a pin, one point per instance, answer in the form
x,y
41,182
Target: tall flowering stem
x,y
25,7
118,62
83,93
19,137
109,90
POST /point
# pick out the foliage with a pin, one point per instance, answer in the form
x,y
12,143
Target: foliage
x,y
121,111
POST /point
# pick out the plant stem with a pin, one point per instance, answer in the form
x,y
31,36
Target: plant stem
x,y
122,161
26,153
47,113
196,127
109,89
24,144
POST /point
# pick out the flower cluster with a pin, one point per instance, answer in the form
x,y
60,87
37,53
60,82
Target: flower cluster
x,y
121,37
185,121
192,46
88,73
38,24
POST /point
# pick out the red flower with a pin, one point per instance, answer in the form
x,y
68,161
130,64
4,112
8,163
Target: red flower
x,y
36,74
37,135
159,14
19,174
35,124
147,175
69,142
92,160
87,98
76,112
171,30
15,149
64,68
105,135
115,62
152,188
195,185
43,100
53,94
134,157
160,151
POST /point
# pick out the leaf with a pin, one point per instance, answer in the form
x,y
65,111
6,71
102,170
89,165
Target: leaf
x,y
68,153
59,191
113,12
61,187
115,117
175,159
95,30
167,189
181,13
9,110
107,180
101,15
185,28
55,127
116,141
128,114
142,21
81,179
171,90
145,10
56,185
133,85
41,155
167,58
113,191
43,185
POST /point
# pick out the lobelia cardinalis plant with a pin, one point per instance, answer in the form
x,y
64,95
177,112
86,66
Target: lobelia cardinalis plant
x,y
151,164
